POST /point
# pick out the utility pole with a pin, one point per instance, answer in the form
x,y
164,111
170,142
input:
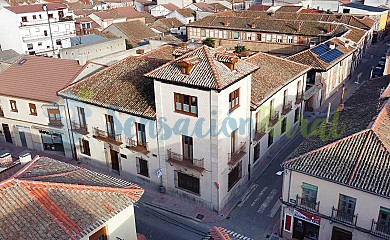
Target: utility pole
x,y
46,9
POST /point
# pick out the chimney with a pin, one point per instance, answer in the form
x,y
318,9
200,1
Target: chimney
x,y
5,158
25,158
346,44
332,45
253,25
329,28
226,22
299,26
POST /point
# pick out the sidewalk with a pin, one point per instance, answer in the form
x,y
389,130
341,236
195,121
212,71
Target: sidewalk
x,y
189,209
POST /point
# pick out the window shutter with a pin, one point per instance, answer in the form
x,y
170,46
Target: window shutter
x,y
287,223
309,187
137,164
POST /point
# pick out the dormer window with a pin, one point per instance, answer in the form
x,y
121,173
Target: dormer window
x,y
187,64
229,60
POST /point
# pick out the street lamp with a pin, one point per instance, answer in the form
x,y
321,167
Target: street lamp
x,y
45,8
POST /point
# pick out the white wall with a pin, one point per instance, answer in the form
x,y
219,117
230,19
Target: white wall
x,y
159,10
179,17
9,24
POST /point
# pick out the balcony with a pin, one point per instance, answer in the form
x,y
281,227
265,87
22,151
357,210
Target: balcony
x,y
133,145
41,37
307,205
380,229
299,99
344,217
79,129
115,139
237,155
55,123
259,132
287,107
44,21
193,163
274,119
1,112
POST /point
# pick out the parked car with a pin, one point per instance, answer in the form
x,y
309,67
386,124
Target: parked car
x,y
377,72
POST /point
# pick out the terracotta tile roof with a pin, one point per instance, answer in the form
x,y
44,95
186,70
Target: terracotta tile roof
x,y
128,12
165,24
218,233
305,10
218,7
386,93
359,110
204,7
186,12
363,22
38,75
109,14
259,7
58,209
170,6
290,9
273,74
309,28
308,57
355,34
208,73
135,31
110,87
35,8
149,18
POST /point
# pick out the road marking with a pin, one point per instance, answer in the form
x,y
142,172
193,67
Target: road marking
x,y
259,196
274,209
249,193
267,201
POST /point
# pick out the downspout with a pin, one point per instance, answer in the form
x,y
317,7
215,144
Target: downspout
x,y
250,144
159,156
289,186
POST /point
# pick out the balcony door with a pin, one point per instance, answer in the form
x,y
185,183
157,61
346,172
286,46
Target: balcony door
x,y
233,141
141,134
346,208
188,147
114,160
7,133
110,125
81,115
285,98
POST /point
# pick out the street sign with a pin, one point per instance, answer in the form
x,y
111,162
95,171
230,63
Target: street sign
x,y
159,173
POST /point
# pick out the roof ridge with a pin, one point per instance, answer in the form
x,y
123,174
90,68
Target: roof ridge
x,y
210,60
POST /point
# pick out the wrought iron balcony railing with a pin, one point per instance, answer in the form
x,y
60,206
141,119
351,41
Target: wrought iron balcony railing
x,y
76,127
194,163
237,155
305,204
344,217
380,229
107,137
274,118
134,145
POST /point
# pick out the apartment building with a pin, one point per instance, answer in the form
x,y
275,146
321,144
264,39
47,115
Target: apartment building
x,y
341,190
332,64
31,113
33,30
277,101
51,197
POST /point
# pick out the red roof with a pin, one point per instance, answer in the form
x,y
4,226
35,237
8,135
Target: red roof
x,y
218,233
38,78
259,7
170,6
386,93
35,7
128,12
305,10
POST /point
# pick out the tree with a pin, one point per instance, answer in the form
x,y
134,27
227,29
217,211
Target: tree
x,y
239,49
209,42
128,45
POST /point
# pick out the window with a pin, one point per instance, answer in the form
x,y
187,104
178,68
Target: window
x,y
40,16
235,175
284,125
54,116
84,145
45,32
290,39
14,107
236,35
30,46
256,154
188,147
187,182
110,125
203,33
50,15
279,39
33,109
346,208
309,195
186,104
346,10
234,99
270,137
58,42
297,114
142,167
141,134
34,17
269,38
383,224
39,43
258,37
99,235
24,19
81,115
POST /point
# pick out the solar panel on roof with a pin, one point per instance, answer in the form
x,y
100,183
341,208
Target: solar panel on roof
x,y
331,55
320,49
